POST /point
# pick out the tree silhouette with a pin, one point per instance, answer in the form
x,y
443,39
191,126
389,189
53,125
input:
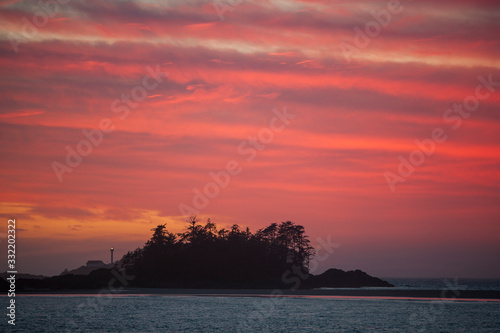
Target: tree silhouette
x,y
161,237
204,256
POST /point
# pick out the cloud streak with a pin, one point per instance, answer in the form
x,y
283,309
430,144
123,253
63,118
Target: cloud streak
x,y
325,171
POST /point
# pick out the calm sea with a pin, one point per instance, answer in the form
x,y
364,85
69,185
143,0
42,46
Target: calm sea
x,y
437,284
265,313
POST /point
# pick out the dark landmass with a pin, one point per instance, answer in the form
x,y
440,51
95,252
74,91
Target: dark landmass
x,y
436,295
356,292
91,266
203,257
105,279
337,278
97,279
5,275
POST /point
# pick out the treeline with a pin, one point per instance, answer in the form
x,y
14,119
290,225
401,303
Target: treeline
x,y
207,257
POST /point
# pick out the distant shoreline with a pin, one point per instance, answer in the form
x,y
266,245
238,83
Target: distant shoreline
x,y
382,292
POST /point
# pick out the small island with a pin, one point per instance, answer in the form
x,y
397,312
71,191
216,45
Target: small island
x,y
205,257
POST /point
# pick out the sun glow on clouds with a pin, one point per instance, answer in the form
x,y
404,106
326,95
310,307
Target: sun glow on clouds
x,y
324,170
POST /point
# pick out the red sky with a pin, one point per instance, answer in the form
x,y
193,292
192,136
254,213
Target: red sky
x,y
64,71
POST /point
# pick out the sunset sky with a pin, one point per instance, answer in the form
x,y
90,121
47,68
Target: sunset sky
x,y
314,105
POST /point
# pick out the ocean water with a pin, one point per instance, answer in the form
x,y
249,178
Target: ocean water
x,y
159,313
438,284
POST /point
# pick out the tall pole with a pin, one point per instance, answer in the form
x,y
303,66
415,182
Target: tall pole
x,y
111,254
